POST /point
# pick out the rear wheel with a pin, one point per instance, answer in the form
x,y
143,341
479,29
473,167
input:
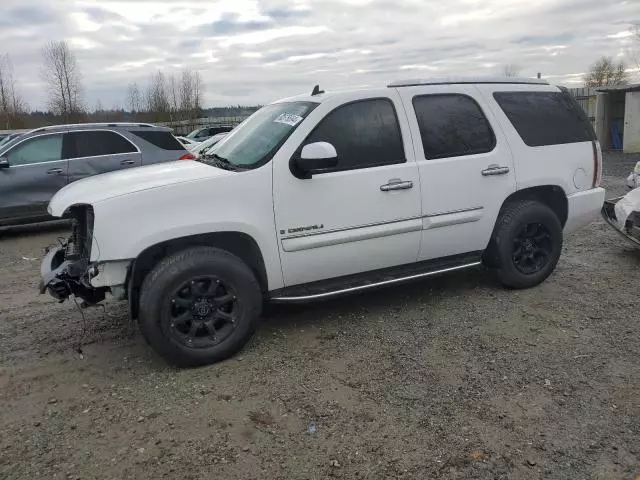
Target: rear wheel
x,y
199,306
526,244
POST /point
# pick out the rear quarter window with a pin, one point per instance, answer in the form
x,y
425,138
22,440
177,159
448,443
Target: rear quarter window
x,y
161,139
545,118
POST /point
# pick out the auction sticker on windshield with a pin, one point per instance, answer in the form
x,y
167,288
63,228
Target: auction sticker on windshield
x,y
289,119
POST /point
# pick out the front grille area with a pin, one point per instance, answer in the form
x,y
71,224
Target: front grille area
x,y
79,245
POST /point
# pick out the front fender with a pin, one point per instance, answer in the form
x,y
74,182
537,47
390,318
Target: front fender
x,y
125,226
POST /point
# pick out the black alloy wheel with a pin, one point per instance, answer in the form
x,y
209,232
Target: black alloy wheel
x,y
199,306
532,248
526,244
203,312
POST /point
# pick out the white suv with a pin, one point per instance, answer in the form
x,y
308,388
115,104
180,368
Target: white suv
x,y
331,193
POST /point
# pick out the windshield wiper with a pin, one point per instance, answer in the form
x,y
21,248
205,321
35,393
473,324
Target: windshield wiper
x,y
220,162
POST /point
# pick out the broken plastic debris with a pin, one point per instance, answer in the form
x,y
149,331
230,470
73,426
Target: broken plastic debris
x,y
311,428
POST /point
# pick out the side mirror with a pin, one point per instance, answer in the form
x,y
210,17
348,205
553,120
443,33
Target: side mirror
x,y
4,162
315,156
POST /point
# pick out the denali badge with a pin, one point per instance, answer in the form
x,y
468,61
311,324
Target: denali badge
x,y
303,229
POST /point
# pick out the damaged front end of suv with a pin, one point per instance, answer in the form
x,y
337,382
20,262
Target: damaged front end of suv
x,y
66,268
623,214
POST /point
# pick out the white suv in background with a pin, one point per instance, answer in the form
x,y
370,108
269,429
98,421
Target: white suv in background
x,y
331,193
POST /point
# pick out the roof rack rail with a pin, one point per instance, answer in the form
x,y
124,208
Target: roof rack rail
x,y
466,80
97,124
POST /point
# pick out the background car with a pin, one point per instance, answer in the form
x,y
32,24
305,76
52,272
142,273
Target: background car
x,y
6,138
188,143
204,133
204,147
39,163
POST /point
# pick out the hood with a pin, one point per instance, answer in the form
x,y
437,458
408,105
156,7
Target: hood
x,y
123,182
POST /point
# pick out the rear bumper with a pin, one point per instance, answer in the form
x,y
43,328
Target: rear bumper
x,y
583,208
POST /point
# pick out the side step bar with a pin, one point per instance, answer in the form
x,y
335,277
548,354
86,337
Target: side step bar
x,y
284,298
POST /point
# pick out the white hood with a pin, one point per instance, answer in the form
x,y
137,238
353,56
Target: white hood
x,y
114,184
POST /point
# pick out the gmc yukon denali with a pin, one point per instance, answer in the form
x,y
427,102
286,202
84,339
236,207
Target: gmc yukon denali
x,y
331,193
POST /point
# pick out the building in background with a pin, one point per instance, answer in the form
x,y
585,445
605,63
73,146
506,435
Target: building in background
x,y
615,114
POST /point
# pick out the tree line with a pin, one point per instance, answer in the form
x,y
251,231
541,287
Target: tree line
x,y
163,98
167,98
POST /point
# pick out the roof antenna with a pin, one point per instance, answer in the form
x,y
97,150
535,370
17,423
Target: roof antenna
x,y
316,90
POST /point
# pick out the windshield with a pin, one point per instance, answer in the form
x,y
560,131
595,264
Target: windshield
x,y
256,140
195,132
8,138
205,147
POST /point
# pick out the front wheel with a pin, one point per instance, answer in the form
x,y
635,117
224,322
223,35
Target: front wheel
x,y
199,306
526,244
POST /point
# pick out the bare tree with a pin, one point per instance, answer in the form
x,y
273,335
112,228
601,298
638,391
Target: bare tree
x,y
134,100
510,70
173,98
62,76
186,93
606,72
198,90
157,99
12,106
635,49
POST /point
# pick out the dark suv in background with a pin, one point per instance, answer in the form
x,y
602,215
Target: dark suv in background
x,y
38,163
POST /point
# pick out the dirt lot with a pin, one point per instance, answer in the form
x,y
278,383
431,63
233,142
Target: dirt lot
x,y
449,378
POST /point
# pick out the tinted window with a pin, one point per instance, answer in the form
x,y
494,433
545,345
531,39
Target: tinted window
x,y
217,130
545,118
159,138
452,125
364,133
47,148
95,143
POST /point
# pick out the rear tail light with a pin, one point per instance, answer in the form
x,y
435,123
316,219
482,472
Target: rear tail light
x,y
597,164
187,156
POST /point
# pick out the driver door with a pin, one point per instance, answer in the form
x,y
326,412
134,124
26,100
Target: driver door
x,y
345,220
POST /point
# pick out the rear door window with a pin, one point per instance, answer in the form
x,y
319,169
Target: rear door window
x,y
452,125
365,134
94,143
545,118
42,149
161,139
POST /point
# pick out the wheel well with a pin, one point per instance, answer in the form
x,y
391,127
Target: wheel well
x,y
551,195
237,243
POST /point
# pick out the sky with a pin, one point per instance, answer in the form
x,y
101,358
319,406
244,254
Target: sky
x,y
256,51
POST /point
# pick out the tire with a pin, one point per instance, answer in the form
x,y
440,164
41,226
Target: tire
x,y
199,306
524,231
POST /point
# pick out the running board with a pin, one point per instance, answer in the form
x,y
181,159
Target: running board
x,y
370,280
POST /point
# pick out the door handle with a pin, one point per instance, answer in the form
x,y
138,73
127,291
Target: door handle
x,y
495,169
55,171
127,162
396,184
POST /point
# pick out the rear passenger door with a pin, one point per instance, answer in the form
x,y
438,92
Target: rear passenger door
x,y
465,166
92,152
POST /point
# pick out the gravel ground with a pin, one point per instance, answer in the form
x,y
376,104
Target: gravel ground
x,y
452,378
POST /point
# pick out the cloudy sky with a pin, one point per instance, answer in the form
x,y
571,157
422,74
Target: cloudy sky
x,y
255,51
